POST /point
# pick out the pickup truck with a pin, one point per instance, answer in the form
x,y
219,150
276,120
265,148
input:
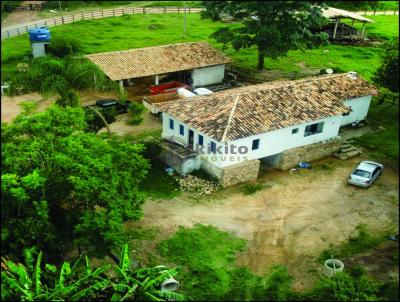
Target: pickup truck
x,y
112,103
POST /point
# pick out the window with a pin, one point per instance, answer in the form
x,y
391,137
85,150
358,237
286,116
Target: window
x,y
313,129
213,147
171,124
201,140
181,130
255,144
295,130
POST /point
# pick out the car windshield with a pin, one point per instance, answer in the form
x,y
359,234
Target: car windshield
x,y
362,173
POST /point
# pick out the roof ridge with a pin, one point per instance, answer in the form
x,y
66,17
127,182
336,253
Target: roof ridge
x,y
156,46
230,119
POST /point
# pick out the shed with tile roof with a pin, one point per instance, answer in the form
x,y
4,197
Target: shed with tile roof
x,y
205,63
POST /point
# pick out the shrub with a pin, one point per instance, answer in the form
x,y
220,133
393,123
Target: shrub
x,y
136,110
28,107
63,46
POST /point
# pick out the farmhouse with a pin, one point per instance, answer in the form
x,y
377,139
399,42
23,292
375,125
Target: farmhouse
x,y
194,63
229,132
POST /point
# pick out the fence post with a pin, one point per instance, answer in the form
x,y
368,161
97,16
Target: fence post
x,y
62,19
92,15
114,12
55,21
144,10
178,10
18,31
123,12
189,10
384,11
82,17
73,18
45,23
8,34
394,13
26,28
102,13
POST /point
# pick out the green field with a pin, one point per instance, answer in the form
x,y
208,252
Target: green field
x,y
149,30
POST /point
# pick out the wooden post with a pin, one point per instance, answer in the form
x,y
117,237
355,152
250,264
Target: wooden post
x,y
178,10
92,15
144,10
26,28
165,10
123,12
102,13
156,80
121,85
55,21
18,31
363,29
45,23
62,20
73,18
374,11
82,17
114,12
335,29
8,34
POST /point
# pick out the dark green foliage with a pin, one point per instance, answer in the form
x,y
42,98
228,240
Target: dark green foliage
x,y
362,241
353,286
73,184
251,188
206,252
387,74
9,6
136,110
62,46
36,281
95,122
275,27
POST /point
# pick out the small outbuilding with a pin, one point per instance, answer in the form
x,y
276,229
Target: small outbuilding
x,y
337,28
194,63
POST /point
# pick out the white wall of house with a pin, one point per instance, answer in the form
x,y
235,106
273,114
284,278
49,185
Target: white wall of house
x,y
270,143
208,75
360,107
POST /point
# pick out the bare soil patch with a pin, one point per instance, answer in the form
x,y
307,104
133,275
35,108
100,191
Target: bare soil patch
x,y
291,222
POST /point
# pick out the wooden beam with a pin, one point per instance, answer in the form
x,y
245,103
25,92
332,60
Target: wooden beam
x,y
336,26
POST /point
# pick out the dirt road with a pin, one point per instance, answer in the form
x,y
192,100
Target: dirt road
x,y
292,222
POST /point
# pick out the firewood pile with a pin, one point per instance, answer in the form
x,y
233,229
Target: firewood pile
x,y
197,185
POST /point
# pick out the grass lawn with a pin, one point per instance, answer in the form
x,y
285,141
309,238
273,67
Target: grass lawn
x,y
384,144
384,26
149,30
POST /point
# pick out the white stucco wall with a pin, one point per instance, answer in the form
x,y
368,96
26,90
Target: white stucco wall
x,y
208,75
270,143
360,108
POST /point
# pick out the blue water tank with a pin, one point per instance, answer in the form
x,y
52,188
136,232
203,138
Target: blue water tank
x,y
41,34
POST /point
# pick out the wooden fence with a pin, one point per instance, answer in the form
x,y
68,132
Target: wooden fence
x,y
118,12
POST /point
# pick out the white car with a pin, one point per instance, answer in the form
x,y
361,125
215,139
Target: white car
x,y
365,174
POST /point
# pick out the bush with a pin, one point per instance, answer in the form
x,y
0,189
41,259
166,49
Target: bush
x,y
207,254
28,107
136,110
359,243
63,46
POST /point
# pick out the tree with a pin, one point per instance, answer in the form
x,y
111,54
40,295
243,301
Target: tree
x,y
37,282
76,185
51,75
387,74
275,27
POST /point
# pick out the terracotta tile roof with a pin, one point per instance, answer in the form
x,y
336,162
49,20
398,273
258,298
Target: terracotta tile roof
x,y
141,62
333,13
241,112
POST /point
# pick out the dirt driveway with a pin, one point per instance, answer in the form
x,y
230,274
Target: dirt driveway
x,y
291,222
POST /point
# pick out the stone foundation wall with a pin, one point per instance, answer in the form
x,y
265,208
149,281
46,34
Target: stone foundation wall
x,y
242,172
291,158
234,174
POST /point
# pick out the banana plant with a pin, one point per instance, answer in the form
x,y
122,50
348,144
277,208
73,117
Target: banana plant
x,y
32,282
